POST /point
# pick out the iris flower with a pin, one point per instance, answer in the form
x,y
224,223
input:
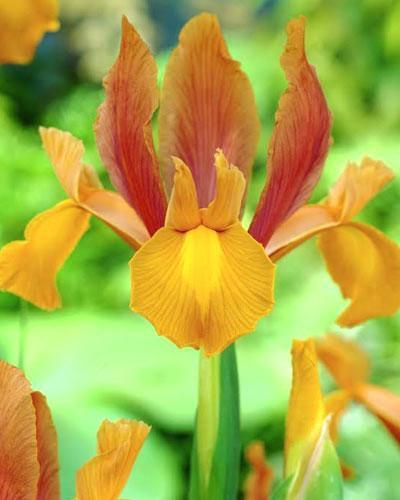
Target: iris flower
x,y
258,483
28,447
198,276
350,367
22,26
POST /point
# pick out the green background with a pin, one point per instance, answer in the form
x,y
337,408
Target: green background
x,y
95,359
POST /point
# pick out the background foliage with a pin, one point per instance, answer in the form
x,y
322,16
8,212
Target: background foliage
x,y
95,359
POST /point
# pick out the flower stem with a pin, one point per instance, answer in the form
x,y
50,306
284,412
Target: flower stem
x,y
216,449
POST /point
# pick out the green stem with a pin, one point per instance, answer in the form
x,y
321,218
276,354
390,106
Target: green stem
x,y
23,330
216,448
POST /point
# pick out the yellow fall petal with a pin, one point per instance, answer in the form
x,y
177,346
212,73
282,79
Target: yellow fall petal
x,y
345,360
356,187
306,411
22,26
28,268
202,288
82,184
104,476
225,208
366,266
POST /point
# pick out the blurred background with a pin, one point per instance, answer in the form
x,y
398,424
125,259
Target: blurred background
x,y
94,358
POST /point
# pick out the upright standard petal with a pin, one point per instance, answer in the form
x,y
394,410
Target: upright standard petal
x,y
366,266
206,103
22,26
19,466
206,285
48,487
300,141
123,129
82,184
104,476
28,268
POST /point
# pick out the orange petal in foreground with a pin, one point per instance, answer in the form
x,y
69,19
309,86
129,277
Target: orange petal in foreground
x,y
300,141
203,280
123,129
22,26
105,475
206,103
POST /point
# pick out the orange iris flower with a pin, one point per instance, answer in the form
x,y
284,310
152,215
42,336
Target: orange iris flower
x,y
22,26
28,447
350,367
258,483
198,275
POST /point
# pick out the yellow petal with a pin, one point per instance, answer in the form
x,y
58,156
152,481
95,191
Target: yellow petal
x,y
22,26
346,361
104,476
306,407
183,209
225,208
202,288
82,184
366,266
28,268
335,404
356,187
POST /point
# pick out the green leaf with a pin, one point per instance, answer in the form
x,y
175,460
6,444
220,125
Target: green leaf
x,y
281,490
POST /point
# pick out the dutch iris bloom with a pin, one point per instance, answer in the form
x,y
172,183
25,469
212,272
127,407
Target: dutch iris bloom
x,y
22,26
198,275
28,447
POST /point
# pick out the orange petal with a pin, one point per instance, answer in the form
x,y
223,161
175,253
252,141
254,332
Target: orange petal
x,y
123,128
202,288
335,404
306,411
82,184
300,141
22,26
28,268
366,266
49,485
355,187
104,476
183,209
224,210
19,467
346,361
383,404
206,103
258,483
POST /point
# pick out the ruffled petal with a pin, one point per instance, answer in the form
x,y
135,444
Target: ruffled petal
x,y
202,288
22,26
300,141
48,487
19,467
206,103
224,210
123,129
346,361
82,184
383,404
306,411
28,268
258,484
356,187
366,266
104,476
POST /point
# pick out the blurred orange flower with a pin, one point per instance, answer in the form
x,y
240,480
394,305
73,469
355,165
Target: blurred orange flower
x,y
22,26
258,483
199,276
28,447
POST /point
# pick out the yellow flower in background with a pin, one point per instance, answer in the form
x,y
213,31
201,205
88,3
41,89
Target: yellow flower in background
x,y
28,447
350,367
198,276
22,26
